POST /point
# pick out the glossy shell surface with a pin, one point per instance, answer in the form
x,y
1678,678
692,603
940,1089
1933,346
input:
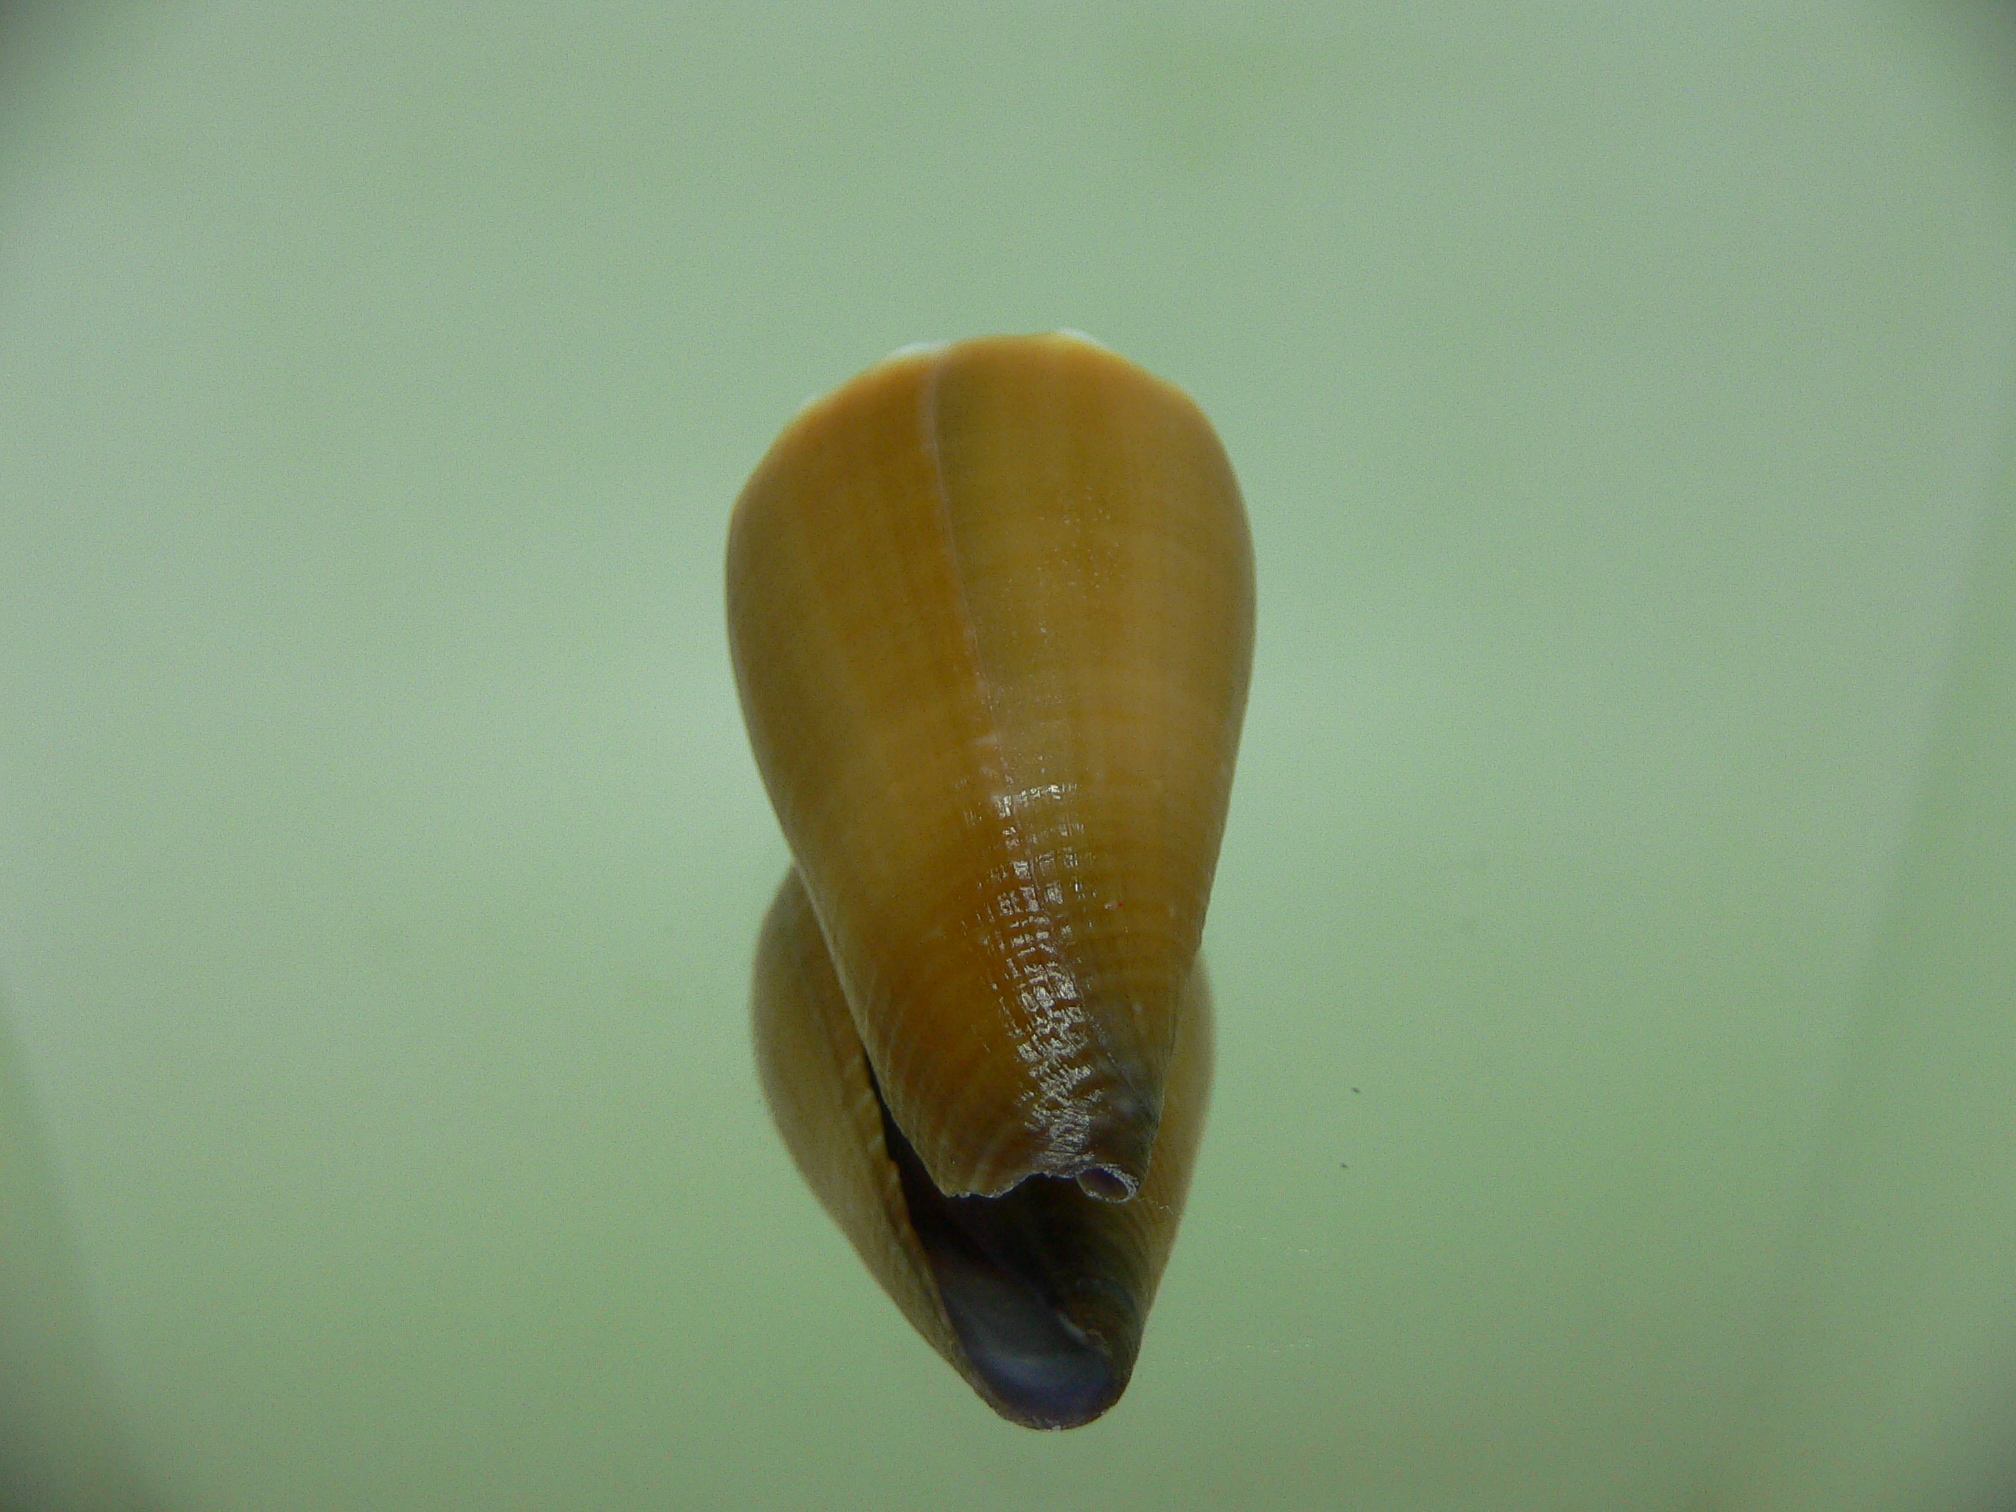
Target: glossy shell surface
x,y
991,611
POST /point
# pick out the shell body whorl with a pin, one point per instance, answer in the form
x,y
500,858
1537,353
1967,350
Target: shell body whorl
x,y
991,609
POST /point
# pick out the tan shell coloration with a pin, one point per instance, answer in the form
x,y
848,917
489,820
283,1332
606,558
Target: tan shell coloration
x,y
991,612
816,1078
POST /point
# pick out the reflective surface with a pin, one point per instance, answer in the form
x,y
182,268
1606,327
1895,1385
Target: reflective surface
x,y
1606,942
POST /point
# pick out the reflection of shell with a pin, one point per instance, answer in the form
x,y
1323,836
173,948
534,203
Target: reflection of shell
x,y
991,611
1037,1298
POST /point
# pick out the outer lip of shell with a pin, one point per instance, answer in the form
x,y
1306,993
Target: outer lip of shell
x,y
1076,1094
1037,1298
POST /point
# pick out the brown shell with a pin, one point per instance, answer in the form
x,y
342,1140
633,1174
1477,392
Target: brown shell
x,y
1104,1259
991,612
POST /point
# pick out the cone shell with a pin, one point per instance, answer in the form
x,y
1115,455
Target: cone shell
x,y
1037,1298
991,613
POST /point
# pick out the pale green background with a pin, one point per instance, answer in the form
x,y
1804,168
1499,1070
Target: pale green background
x,y
1615,933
